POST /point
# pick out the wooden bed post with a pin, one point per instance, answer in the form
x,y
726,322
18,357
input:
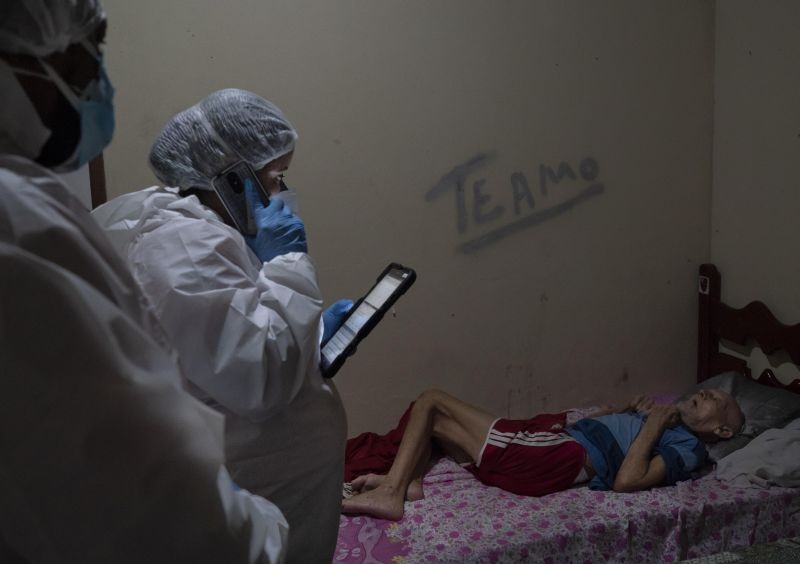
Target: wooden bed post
x,y
97,180
707,341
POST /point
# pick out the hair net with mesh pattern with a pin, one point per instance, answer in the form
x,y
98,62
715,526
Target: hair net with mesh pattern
x,y
228,126
43,27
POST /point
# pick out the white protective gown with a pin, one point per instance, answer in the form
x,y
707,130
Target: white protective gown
x,y
248,337
104,457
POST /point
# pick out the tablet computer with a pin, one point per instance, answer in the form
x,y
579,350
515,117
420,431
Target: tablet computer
x,y
365,315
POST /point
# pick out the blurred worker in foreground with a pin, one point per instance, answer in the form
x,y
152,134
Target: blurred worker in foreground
x,y
105,457
243,311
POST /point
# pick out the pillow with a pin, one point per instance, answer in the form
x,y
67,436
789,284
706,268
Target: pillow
x,y
763,407
772,458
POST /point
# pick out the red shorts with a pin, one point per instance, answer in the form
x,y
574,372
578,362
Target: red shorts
x,y
530,456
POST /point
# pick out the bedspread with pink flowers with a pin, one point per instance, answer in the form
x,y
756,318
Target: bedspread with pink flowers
x,y
462,520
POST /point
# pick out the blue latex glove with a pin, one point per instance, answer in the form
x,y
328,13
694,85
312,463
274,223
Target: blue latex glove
x,y
278,230
333,317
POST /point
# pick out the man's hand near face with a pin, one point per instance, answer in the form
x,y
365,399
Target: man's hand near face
x,y
662,416
638,470
637,404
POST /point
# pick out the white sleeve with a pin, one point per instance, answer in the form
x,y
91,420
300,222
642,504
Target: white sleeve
x,y
245,337
105,457
270,531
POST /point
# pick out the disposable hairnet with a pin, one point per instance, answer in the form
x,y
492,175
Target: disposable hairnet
x,y
42,27
226,127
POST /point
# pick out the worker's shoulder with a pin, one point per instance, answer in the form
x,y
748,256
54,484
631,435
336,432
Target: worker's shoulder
x,y
187,237
24,183
21,167
34,203
188,225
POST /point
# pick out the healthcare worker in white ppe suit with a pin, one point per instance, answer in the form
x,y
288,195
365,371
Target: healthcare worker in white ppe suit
x,y
105,458
245,313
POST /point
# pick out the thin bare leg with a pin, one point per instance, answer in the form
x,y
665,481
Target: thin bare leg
x,y
367,482
435,414
386,500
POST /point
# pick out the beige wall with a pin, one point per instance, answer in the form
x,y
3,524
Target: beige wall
x,y
589,296
755,236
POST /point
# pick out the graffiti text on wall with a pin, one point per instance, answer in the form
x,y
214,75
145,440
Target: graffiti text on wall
x,y
480,208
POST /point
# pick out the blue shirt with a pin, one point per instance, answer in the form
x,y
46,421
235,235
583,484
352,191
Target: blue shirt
x,y
607,440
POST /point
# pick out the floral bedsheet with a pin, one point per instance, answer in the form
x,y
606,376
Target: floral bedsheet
x,y
462,520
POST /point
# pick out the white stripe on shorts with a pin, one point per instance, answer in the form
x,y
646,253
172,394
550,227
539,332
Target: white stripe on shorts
x,y
503,439
486,442
526,438
550,442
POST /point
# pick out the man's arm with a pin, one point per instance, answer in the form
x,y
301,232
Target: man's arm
x,y
637,404
639,471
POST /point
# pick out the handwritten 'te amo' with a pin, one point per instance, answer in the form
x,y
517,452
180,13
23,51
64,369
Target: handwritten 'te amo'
x,y
526,214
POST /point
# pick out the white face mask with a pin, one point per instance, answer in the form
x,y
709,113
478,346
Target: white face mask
x,y
22,131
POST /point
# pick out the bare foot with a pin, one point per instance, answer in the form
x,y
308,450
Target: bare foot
x,y
368,482
383,502
414,491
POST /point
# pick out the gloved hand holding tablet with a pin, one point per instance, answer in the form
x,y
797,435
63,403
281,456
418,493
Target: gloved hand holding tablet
x,y
365,315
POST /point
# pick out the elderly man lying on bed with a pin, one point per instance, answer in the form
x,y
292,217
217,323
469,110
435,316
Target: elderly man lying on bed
x,y
633,448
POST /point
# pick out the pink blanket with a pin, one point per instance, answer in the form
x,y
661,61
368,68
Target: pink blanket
x,y
462,520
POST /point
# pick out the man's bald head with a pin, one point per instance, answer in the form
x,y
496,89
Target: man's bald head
x,y
712,414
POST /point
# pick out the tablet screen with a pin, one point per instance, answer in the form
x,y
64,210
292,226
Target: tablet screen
x,y
368,307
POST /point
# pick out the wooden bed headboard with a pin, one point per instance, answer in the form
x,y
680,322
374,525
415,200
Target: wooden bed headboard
x,y
752,323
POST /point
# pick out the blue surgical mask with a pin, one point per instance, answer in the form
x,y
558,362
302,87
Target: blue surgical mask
x,y
96,111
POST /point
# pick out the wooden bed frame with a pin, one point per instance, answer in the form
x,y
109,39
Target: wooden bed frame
x,y
752,323
97,180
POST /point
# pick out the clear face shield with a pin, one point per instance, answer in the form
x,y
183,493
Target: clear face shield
x,y
286,195
93,104
22,131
